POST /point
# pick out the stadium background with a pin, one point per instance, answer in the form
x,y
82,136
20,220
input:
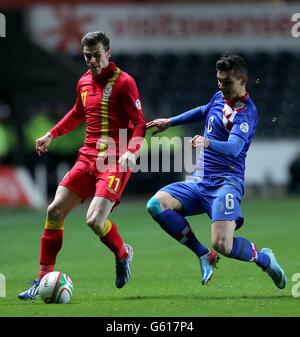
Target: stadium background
x,y
170,47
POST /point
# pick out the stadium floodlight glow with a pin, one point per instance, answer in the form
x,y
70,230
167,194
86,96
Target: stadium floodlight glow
x,y
2,25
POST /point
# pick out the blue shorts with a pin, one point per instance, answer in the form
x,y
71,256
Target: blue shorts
x,y
219,197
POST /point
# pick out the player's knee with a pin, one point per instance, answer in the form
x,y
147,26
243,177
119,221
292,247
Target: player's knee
x,y
153,206
91,222
221,246
54,213
95,224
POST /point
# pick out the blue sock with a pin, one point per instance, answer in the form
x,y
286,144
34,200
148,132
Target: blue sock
x,y
178,227
262,260
244,250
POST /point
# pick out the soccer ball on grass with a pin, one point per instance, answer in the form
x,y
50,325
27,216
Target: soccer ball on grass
x,y
56,287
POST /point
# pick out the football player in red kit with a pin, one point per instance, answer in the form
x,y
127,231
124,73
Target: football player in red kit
x,y
107,101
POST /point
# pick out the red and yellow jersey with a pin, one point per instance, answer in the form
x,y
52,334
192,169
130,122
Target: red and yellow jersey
x,y
107,103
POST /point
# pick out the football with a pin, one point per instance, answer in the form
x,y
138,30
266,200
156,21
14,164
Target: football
x,y
56,287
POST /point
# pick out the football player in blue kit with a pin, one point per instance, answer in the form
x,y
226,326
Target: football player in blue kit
x,y
217,186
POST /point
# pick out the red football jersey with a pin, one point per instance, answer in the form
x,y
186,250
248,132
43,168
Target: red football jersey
x,y
107,103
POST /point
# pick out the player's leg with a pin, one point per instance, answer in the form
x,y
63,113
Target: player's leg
x,y
51,242
226,217
106,230
73,189
167,207
226,213
110,185
52,237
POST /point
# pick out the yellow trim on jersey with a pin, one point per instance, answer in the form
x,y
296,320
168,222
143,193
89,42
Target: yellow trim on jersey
x,y
106,229
54,225
83,97
104,112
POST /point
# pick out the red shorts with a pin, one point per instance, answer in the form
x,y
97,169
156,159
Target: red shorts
x,y
86,181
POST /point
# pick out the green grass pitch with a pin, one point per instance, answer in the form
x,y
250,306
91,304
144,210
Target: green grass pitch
x,y
166,278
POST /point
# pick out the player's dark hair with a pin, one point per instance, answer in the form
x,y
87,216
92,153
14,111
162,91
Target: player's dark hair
x,y
92,38
232,62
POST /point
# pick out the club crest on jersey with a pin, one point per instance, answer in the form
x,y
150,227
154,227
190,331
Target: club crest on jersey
x,y
244,127
138,104
107,91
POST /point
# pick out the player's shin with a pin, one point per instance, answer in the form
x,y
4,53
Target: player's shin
x,y
112,239
176,226
51,243
244,250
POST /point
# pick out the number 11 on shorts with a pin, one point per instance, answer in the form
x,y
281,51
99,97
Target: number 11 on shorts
x,y
113,183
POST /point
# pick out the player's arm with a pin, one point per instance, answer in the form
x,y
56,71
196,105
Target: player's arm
x,y
242,125
230,148
68,123
133,108
190,116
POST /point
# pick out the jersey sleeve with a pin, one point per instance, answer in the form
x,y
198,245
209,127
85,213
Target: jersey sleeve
x,y
194,115
232,148
244,124
190,116
71,120
133,108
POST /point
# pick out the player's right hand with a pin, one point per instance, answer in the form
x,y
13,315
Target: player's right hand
x,y
159,125
42,143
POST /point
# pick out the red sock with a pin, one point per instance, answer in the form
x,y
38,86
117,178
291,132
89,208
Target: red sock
x,y
115,243
51,243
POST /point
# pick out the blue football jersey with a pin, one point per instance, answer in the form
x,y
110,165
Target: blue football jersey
x,y
222,118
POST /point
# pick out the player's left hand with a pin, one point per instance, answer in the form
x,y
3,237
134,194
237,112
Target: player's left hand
x,y
127,160
199,141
